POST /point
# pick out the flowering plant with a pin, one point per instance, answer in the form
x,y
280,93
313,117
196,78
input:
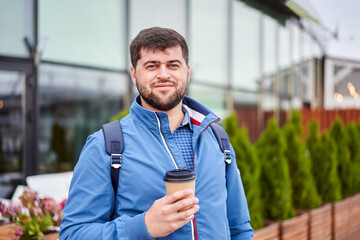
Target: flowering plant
x,y
32,215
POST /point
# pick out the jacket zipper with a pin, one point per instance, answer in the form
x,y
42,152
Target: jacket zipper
x,y
166,146
176,166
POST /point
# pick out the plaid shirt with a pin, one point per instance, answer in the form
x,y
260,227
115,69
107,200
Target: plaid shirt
x,y
183,139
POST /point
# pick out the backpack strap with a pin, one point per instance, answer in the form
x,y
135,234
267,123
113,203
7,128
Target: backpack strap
x,y
223,140
114,145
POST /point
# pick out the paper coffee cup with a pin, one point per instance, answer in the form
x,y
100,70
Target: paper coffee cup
x,y
180,179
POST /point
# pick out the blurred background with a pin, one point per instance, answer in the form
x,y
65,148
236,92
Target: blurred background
x,y
64,67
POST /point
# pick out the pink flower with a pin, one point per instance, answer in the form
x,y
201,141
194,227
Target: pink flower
x,y
62,204
36,211
18,233
28,197
2,208
50,205
14,208
22,213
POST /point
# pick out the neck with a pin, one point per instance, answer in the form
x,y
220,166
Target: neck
x,y
175,115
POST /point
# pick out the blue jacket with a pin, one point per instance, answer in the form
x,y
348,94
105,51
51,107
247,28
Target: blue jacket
x,y
150,151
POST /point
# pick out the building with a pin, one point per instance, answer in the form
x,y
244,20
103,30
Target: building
x,y
64,68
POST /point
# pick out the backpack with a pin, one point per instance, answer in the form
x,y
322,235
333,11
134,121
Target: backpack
x,y
114,145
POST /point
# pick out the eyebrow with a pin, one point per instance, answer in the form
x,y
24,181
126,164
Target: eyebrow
x,y
153,61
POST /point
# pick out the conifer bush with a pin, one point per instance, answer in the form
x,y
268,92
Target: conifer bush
x,y
120,115
305,195
324,165
248,164
313,137
275,178
230,125
345,170
354,147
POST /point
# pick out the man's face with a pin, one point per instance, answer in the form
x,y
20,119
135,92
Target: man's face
x,y
161,78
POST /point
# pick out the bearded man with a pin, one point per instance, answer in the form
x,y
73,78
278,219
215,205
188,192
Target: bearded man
x,y
165,130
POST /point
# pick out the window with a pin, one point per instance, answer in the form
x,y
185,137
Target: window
x,y
96,38
159,13
245,47
73,103
209,46
15,25
11,130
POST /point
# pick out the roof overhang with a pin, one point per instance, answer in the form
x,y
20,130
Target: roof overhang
x,y
301,11
280,10
276,9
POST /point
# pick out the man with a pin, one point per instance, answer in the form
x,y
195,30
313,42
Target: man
x,y
164,130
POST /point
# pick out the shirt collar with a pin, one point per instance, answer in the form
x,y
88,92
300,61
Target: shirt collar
x,y
186,119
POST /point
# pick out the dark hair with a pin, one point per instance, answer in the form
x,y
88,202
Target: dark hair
x,y
156,38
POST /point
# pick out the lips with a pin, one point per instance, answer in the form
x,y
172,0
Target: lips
x,y
164,85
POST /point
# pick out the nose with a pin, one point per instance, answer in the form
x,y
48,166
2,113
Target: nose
x,y
163,73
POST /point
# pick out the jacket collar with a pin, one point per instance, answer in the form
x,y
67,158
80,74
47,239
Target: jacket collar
x,y
200,116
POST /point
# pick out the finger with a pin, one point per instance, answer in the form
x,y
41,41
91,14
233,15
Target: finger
x,y
188,214
185,203
181,222
176,196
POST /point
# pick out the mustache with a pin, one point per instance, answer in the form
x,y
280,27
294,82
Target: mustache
x,y
164,81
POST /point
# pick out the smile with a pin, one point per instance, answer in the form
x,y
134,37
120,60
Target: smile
x,y
163,86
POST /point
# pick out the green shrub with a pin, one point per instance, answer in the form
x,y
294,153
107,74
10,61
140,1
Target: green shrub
x,y
275,179
248,164
305,195
120,115
230,125
345,172
354,146
313,137
324,165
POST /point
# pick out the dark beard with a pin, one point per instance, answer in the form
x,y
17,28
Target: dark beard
x,y
155,101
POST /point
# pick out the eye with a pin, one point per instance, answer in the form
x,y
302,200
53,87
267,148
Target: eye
x,y
174,66
151,66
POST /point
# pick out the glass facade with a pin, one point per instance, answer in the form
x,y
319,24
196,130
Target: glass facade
x,y
161,13
16,23
208,50
73,103
208,41
341,90
84,32
11,129
269,46
245,48
239,58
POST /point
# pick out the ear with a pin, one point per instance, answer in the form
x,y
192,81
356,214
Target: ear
x,y
188,67
132,73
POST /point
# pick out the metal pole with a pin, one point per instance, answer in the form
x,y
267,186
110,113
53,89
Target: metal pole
x,y
276,80
31,112
128,96
229,96
261,76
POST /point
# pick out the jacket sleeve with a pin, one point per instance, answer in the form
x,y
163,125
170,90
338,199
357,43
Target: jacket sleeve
x,y
237,209
87,213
